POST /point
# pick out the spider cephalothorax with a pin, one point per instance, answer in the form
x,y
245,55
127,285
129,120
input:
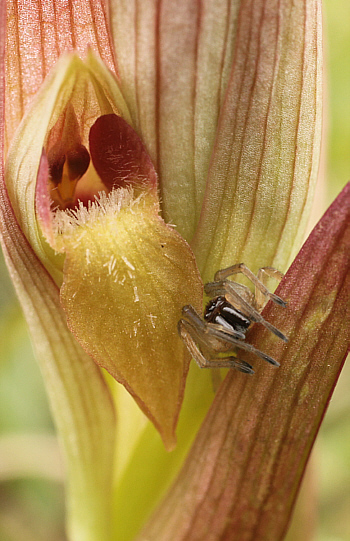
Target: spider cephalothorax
x,y
228,315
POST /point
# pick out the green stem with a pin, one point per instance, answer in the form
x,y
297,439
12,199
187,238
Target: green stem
x,y
80,401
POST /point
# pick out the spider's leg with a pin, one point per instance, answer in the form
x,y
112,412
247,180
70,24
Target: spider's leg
x,y
263,275
241,268
233,296
186,332
190,337
226,338
271,272
216,289
233,362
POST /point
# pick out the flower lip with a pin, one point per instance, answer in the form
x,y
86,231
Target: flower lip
x,y
74,94
126,276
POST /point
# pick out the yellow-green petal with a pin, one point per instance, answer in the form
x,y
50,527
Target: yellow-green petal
x,y
126,277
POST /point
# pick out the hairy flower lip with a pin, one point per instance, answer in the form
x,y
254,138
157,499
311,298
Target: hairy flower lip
x,y
124,283
102,267
118,157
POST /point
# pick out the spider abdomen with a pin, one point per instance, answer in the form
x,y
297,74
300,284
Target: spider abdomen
x,y
221,312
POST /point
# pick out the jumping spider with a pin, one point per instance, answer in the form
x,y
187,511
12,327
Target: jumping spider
x,y
227,317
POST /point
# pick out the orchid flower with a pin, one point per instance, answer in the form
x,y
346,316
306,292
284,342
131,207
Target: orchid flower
x,y
144,148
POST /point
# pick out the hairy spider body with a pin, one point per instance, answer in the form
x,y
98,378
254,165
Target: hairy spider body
x,y
221,312
233,308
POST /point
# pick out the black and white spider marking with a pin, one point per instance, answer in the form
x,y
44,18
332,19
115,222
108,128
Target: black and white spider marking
x,y
233,308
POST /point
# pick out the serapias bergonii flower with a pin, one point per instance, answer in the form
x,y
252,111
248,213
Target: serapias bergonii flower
x,y
126,274
221,104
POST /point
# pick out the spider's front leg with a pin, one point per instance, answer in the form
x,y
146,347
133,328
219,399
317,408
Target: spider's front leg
x,y
263,274
261,291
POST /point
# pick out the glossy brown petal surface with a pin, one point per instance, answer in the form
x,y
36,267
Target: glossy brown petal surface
x,y
243,472
119,155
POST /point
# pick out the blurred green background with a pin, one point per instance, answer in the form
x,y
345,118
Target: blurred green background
x,y
32,504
